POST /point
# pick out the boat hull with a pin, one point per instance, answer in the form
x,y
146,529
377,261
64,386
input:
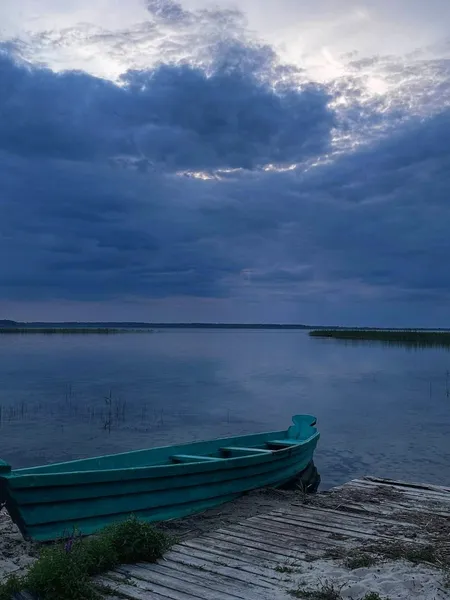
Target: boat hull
x,y
49,502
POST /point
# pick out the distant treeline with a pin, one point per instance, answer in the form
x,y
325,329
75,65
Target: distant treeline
x,y
410,337
140,325
137,325
68,330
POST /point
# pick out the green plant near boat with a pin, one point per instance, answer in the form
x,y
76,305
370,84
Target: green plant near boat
x,y
65,570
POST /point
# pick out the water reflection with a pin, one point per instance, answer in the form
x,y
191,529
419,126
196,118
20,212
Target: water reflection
x,y
381,411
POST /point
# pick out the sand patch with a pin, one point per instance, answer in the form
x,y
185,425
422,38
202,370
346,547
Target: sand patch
x,y
399,580
16,554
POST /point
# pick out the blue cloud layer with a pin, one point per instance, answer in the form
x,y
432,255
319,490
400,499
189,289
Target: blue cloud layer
x,y
366,225
178,117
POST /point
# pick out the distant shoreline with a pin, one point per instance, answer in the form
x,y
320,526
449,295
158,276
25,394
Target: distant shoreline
x,y
8,326
70,330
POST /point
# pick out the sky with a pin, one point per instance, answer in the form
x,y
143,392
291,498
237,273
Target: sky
x,y
255,162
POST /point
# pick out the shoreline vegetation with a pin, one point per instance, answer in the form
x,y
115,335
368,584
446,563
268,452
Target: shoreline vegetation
x,y
9,326
71,330
417,338
66,569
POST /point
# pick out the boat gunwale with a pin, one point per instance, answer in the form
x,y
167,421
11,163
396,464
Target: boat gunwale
x,y
16,480
34,470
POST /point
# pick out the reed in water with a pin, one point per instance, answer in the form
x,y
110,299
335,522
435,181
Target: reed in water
x,y
410,337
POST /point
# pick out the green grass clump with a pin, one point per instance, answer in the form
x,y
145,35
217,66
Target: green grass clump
x,y
327,591
415,553
13,585
135,540
359,561
330,592
64,570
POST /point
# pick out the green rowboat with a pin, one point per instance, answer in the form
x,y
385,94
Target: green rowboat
x,y
157,484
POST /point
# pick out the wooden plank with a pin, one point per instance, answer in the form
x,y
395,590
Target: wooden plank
x,y
296,530
129,591
405,491
300,528
328,516
363,523
283,443
392,509
170,581
421,486
301,539
154,588
350,532
246,554
235,571
209,567
267,536
316,522
182,458
211,559
213,552
242,451
407,498
412,492
251,548
214,580
334,515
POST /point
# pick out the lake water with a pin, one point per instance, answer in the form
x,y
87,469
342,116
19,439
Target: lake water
x,y
383,411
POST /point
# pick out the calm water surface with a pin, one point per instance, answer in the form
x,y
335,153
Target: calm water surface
x,y
381,410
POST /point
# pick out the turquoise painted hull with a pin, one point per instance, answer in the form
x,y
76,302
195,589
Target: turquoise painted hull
x,y
157,484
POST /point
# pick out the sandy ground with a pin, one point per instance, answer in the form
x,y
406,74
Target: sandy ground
x,y
397,580
392,580
15,554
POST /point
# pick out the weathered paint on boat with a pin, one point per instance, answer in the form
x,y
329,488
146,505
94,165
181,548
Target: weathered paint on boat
x,y
157,484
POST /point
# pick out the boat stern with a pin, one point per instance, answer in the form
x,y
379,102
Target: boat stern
x,y
303,428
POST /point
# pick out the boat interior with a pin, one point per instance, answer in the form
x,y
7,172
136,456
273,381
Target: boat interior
x,y
196,452
235,452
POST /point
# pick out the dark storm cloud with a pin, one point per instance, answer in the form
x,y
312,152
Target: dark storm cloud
x,y
85,231
71,230
370,223
178,117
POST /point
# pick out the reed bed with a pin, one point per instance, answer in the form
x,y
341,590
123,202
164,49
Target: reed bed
x,y
410,337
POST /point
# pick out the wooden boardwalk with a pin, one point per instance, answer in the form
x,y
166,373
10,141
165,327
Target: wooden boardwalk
x,y
249,560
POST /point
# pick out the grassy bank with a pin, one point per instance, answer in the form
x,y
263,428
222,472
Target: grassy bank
x,y
65,571
69,330
414,338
